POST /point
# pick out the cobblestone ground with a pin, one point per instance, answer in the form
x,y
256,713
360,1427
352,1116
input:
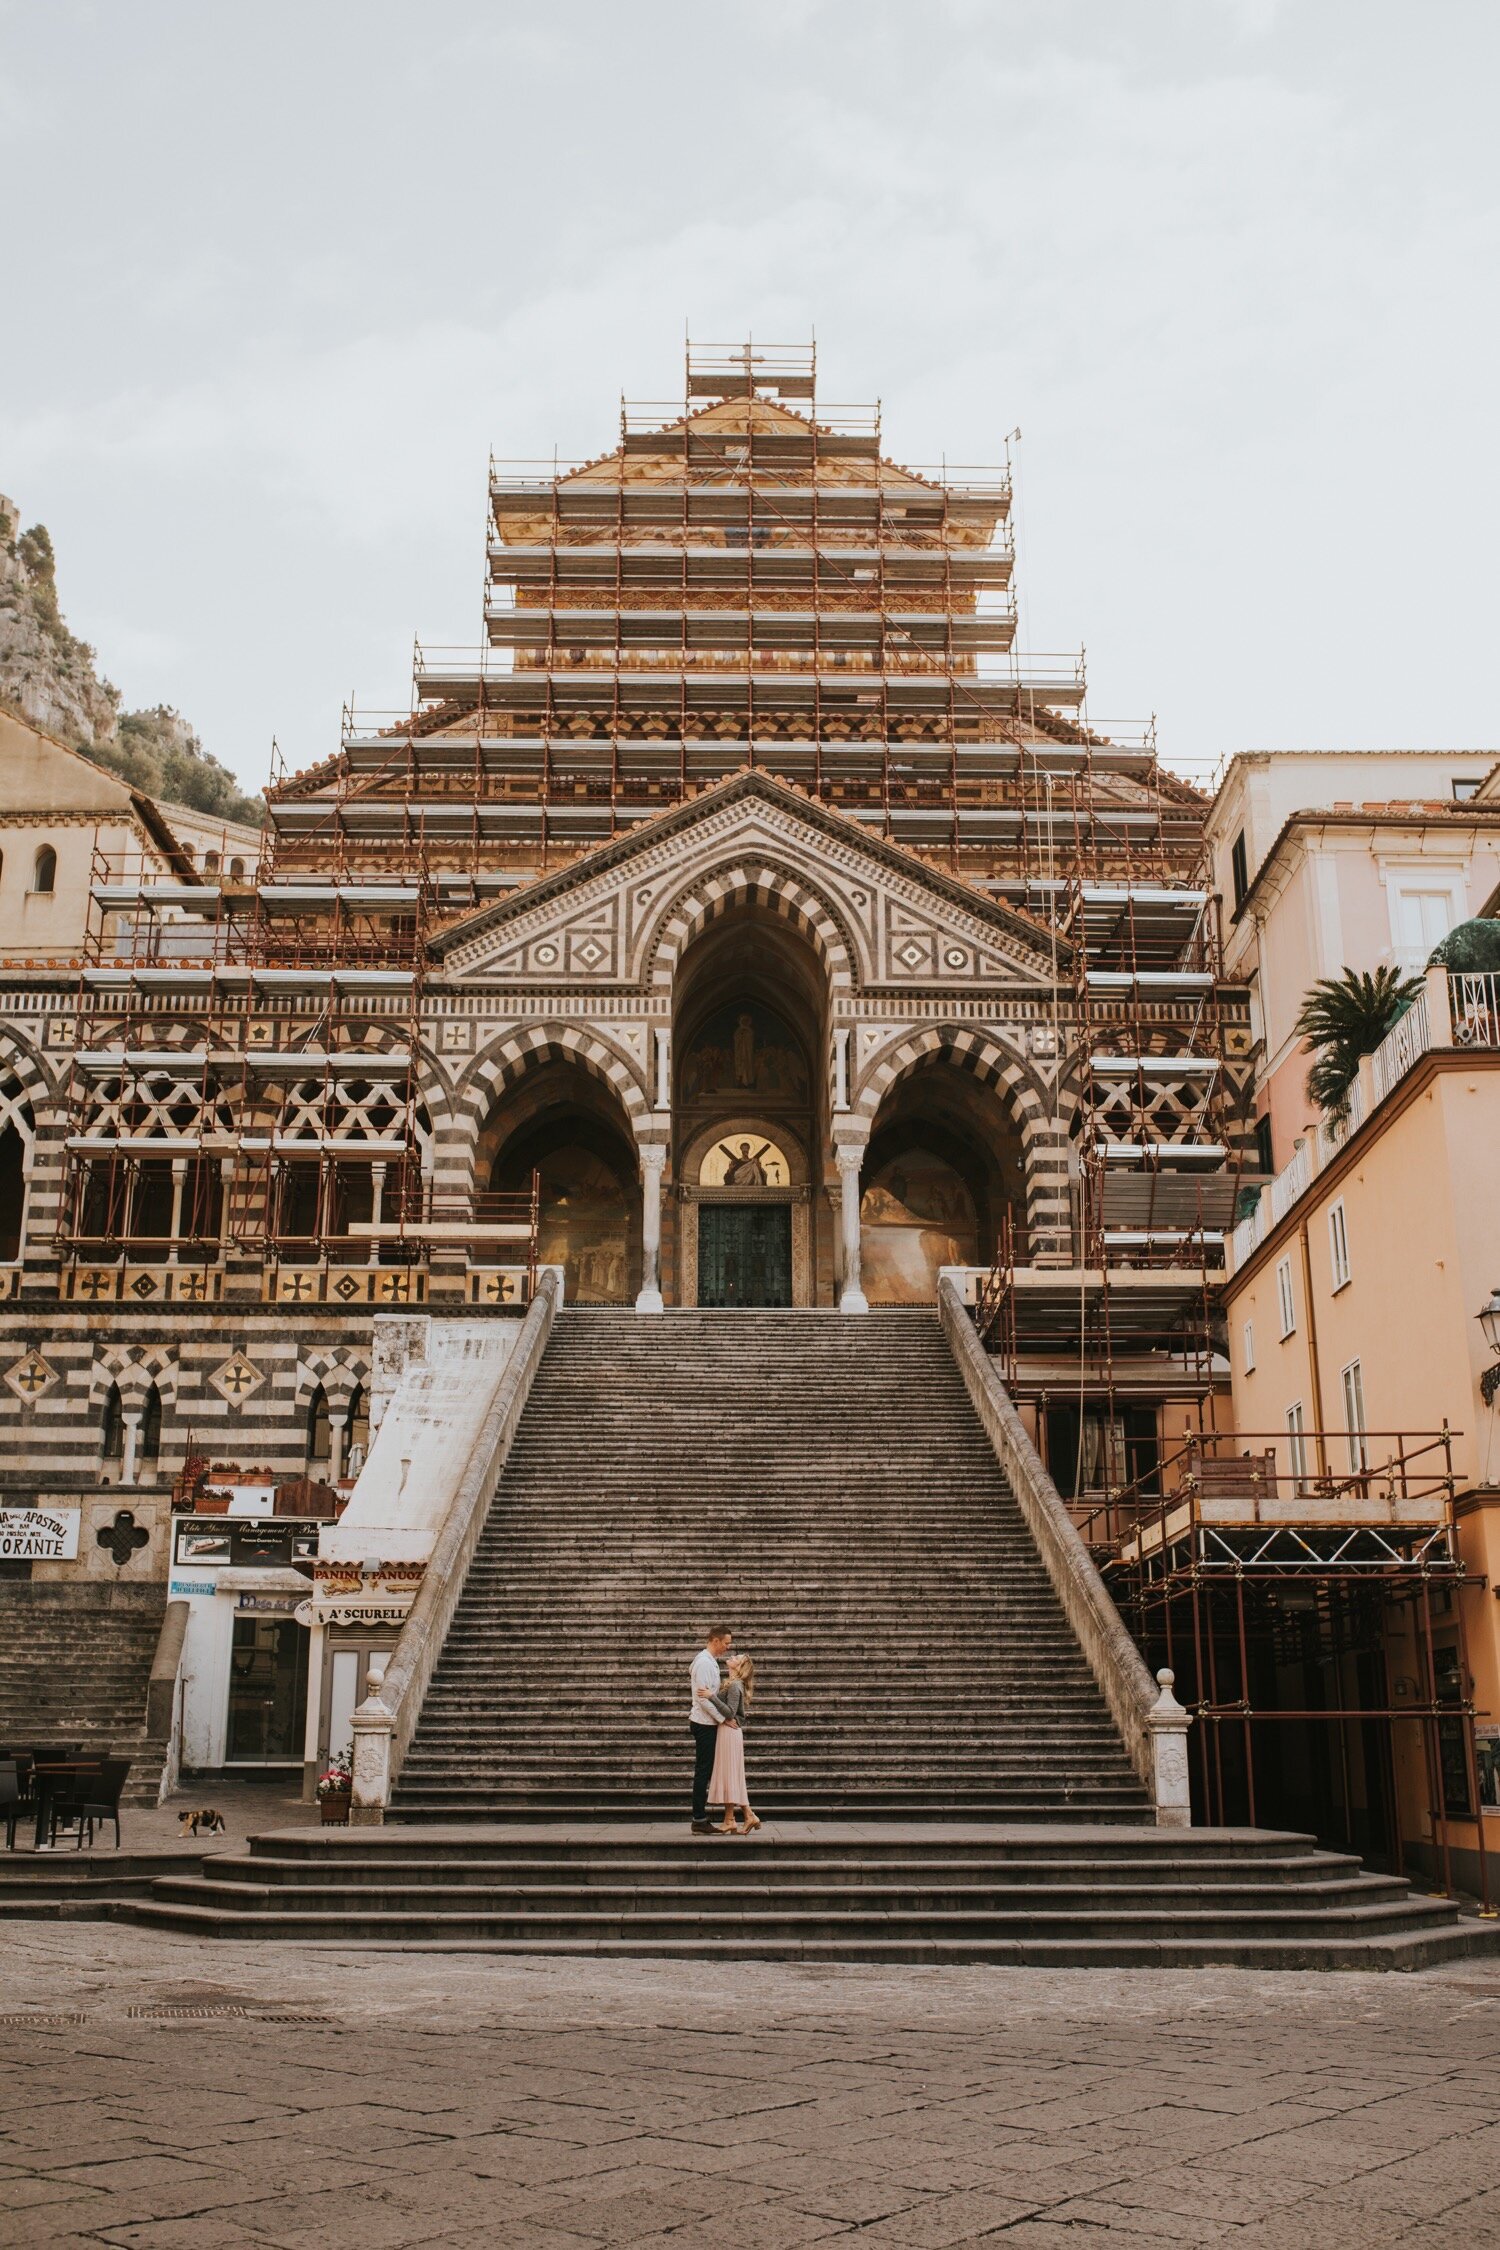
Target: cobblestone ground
x,y
450,2098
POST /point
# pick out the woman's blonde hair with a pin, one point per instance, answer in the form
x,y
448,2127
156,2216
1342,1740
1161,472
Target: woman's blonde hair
x,y
743,1668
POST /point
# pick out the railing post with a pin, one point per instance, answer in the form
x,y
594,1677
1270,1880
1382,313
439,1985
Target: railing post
x,y
373,1724
1439,1006
1169,1725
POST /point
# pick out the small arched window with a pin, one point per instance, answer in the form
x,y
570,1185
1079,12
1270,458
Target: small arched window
x,y
319,1437
44,876
210,863
112,1432
237,870
151,1426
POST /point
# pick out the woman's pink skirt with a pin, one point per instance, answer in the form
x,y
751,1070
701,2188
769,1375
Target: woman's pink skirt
x,y
727,1786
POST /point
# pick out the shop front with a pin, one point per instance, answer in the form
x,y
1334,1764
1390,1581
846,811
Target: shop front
x,y
245,1657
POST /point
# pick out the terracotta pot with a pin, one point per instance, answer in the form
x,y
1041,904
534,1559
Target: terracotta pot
x,y
335,1809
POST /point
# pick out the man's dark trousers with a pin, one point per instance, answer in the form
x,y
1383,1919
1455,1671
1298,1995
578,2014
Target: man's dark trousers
x,y
704,1739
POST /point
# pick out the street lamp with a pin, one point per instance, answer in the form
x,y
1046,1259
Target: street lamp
x,y
1488,1317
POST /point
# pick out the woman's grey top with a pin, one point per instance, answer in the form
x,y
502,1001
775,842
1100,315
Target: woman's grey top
x,y
730,1700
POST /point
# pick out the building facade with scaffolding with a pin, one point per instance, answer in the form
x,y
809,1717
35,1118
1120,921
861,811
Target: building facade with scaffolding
x,y
746,921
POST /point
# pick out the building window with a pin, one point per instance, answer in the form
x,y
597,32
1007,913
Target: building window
x,y
1249,1347
319,1435
210,863
1422,920
1338,1245
1296,1445
112,1427
1354,1415
1239,869
1466,787
1264,1156
1286,1303
44,873
237,870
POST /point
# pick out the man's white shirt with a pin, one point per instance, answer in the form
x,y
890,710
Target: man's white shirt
x,y
705,1682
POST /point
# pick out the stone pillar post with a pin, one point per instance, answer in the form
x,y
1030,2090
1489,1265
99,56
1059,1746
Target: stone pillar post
x,y
130,1417
179,1183
849,1156
653,1165
336,1424
377,1205
371,1726
1169,1725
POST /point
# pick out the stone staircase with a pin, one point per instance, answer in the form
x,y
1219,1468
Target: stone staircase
x,y
824,1486
938,1775
1070,1896
75,1660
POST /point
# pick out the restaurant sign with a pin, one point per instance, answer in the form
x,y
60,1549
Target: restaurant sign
x,y
39,1534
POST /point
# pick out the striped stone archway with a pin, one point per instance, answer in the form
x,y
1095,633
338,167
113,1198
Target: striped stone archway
x,y
520,1050
1044,1137
750,882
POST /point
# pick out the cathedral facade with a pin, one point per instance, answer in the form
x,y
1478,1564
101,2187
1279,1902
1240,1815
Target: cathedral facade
x,y
744,923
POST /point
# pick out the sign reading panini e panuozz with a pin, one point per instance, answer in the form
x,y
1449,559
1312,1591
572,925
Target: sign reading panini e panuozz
x,y
39,1534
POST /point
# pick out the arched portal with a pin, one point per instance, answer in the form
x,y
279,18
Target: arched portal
x,y
944,1163
563,1122
748,1112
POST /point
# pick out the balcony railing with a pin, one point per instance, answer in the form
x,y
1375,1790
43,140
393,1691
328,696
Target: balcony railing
x,y
1453,1010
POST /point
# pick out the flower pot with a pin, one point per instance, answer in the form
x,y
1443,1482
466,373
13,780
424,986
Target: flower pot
x,y
335,1808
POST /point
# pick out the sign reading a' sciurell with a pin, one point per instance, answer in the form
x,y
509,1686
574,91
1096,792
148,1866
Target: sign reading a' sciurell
x,y
39,1534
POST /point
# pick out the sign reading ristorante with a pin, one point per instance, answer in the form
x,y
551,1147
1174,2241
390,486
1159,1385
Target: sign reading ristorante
x,y
39,1534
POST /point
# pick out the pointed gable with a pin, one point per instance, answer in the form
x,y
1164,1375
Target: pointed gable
x,y
606,918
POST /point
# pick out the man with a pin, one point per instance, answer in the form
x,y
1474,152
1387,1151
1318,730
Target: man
x,y
704,1720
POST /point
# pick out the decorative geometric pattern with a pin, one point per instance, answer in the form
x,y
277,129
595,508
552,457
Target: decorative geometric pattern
x,y
31,1378
237,1380
153,1105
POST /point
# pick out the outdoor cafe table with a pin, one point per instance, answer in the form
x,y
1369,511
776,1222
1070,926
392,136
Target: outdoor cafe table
x,y
48,1775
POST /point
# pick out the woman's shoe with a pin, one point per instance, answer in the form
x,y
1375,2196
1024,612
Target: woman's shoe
x,y
726,1828
750,1822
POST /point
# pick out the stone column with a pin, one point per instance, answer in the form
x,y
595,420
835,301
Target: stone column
x,y
336,1424
179,1183
653,1165
849,1156
131,1419
377,1206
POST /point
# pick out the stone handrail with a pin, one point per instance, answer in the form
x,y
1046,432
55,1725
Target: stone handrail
x,y
1152,1724
385,1722
161,1688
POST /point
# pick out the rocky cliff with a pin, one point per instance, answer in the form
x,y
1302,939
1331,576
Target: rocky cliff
x,y
47,675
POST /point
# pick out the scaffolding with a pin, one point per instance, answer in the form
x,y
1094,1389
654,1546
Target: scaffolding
x,y
244,1084
1285,1593
745,581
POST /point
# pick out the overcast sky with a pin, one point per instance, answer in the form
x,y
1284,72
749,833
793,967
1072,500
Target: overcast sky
x,y
276,279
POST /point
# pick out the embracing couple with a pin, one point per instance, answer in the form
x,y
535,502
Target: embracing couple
x,y
722,1688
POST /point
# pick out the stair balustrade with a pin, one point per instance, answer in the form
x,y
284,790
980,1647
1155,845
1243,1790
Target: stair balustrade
x,y
1152,1724
384,1723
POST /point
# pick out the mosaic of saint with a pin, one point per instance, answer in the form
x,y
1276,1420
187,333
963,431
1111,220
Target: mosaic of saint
x,y
745,1159
916,1216
741,1050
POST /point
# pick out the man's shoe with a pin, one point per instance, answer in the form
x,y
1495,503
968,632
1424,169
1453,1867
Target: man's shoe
x,y
703,1827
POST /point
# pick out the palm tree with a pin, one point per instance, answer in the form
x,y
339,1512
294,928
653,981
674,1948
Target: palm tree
x,y
1346,1017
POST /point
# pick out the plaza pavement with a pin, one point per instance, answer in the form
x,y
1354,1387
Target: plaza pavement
x,y
557,2104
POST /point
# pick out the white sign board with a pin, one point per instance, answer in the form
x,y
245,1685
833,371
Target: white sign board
x,y
39,1534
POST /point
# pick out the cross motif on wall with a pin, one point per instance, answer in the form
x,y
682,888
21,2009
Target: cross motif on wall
x,y
237,1378
30,1377
94,1284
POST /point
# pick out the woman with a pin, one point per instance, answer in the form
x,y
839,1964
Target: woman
x,y
727,1787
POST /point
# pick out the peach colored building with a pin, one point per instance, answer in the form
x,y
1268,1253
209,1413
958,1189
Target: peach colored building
x,y
1327,860
1352,1311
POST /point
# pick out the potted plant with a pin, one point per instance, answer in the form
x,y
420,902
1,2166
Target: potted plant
x,y
335,1786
